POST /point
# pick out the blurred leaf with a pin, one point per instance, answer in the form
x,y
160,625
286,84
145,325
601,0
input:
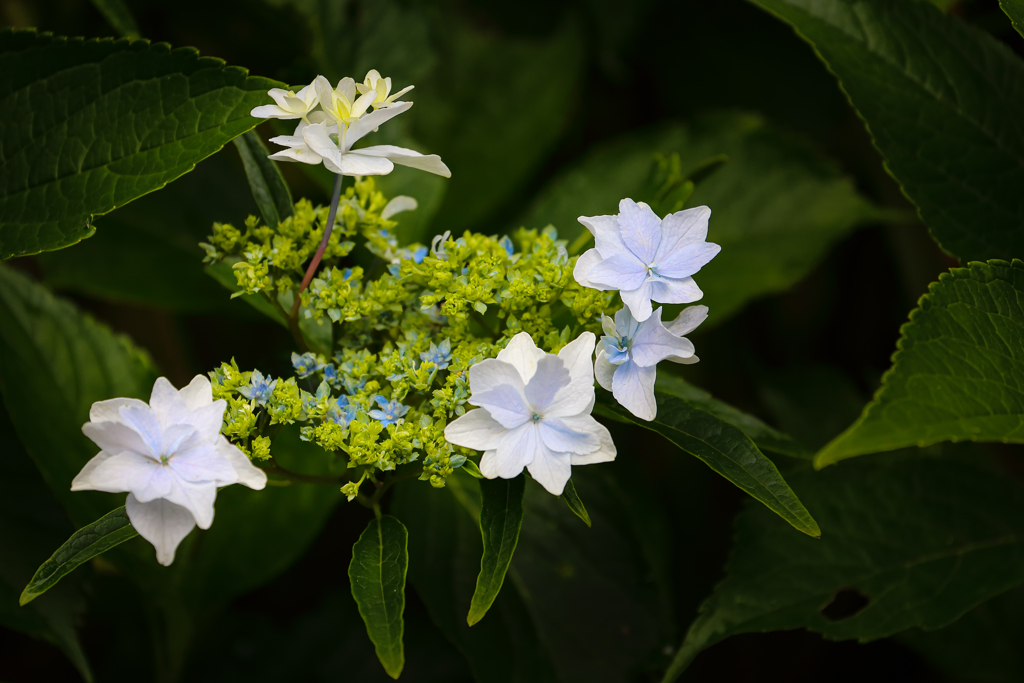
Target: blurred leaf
x,y
572,499
501,516
1015,10
380,559
148,251
91,540
982,645
777,205
444,551
957,371
494,111
56,363
119,17
766,438
725,449
111,121
941,100
223,273
812,401
268,186
910,543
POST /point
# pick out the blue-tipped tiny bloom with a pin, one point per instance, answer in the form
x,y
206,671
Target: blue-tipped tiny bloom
x,y
259,389
341,412
507,244
420,254
390,412
331,375
440,356
305,365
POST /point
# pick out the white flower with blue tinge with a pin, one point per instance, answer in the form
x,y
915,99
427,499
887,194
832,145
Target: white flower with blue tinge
x,y
629,352
534,413
169,456
647,258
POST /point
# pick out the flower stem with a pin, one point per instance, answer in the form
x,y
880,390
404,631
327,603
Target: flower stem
x,y
580,242
335,198
291,320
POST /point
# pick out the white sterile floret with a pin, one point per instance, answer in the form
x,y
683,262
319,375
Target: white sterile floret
x,y
381,87
290,105
647,258
534,413
169,456
630,350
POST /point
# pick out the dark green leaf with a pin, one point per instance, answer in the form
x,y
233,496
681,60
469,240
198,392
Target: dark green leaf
x,y
572,499
268,186
380,559
110,121
118,15
225,275
941,100
55,363
723,448
957,372
91,540
915,542
444,548
766,438
501,516
1015,10
777,205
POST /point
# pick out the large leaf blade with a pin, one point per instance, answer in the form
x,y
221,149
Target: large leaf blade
x,y
958,372
111,121
91,540
725,449
501,516
917,542
941,100
269,188
380,560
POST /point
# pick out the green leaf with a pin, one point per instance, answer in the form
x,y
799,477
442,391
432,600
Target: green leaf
x,y
957,372
942,101
723,448
572,499
445,548
777,205
1015,10
91,540
380,559
268,186
57,363
95,124
117,15
766,438
501,516
917,542
225,275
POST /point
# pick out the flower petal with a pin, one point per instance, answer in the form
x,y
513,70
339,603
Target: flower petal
x,y
605,452
577,356
605,230
357,164
640,229
408,157
116,437
689,320
639,300
246,473
653,343
505,403
317,137
603,370
551,469
517,449
667,291
688,260
522,354
271,111
110,410
134,473
633,388
476,429
82,480
168,405
398,205
551,376
163,524
196,498
302,154
201,462
584,264
370,121
208,419
145,423
198,393
569,435
681,228
621,271
493,372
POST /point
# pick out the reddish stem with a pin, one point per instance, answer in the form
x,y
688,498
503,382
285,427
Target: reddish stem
x,y
335,199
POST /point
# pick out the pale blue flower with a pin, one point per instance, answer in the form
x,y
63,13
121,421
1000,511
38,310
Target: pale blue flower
x,y
507,244
305,365
259,389
629,352
341,412
390,412
440,356
646,258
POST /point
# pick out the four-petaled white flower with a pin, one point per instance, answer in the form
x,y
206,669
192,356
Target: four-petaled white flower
x,y
290,105
169,456
534,413
647,258
630,350
381,88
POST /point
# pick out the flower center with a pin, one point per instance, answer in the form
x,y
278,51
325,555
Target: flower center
x,y
535,417
163,459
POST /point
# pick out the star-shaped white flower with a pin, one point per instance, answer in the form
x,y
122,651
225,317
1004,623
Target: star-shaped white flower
x,y
290,105
534,413
629,352
169,456
341,104
381,87
647,258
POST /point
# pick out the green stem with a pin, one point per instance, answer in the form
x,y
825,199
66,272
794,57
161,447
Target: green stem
x,y
293,322
580,242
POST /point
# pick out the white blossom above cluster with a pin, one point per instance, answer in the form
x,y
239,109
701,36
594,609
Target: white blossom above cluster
x,y
346,114
534,413
169,456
